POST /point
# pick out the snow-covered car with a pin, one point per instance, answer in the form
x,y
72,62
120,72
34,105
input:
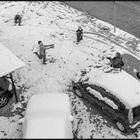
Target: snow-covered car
x,y
48,116
8,64
117,94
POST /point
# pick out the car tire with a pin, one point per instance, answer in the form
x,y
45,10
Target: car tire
x,y
4,101
120,126
78,92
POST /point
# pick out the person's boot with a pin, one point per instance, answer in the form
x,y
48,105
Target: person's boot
x,y
77,41
44,61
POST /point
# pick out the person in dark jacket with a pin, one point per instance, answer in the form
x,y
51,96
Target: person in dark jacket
x,y
79,34
42,51
117,61
17,19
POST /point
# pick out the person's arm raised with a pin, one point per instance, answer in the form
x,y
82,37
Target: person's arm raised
x,y
49,46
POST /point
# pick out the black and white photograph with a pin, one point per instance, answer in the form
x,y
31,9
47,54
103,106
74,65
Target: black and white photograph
x,y
69,69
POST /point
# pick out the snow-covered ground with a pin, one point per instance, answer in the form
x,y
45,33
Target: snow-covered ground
x,y
54,22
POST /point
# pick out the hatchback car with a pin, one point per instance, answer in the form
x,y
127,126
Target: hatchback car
x,y
48,116
117,94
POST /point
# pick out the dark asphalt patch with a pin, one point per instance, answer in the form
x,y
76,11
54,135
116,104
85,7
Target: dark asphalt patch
x,y
132,65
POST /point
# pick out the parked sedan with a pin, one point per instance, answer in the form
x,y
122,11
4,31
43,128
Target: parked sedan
x,y
117,94
48,116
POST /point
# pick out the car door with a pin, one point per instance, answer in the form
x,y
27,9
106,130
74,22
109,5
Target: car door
x,y
88,95
114,107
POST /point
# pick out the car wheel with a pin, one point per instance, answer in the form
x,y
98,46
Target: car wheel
x,y
4,101
120,126
78,93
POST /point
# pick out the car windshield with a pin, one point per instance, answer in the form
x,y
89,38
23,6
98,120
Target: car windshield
x,y
136,111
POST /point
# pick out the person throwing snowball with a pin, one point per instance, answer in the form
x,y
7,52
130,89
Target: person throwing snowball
x,y
42,51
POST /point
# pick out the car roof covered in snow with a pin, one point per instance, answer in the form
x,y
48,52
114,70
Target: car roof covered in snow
x,y
8,61
124,86
48,126
49,101
48,115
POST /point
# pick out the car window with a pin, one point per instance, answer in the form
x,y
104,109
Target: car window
x,y
116,101
136,111
98,94
110,97
111,103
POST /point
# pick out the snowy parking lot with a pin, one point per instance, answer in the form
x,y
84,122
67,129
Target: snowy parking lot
x,y
56,23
